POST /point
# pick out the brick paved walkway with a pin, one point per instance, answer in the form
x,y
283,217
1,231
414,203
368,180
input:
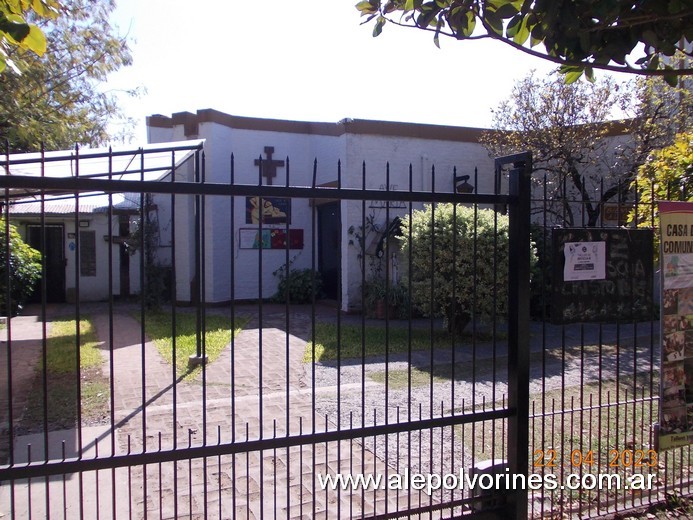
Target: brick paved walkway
x,y
233,404
259,389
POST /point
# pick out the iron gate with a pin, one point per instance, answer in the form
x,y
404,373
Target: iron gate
x,y
246,410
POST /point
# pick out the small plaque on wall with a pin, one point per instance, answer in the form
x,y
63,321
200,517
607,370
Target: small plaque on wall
x,y
270,238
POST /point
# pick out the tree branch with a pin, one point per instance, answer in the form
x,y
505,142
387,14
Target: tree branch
x,y
490,34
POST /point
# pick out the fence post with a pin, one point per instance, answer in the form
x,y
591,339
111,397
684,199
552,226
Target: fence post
x,y
518,325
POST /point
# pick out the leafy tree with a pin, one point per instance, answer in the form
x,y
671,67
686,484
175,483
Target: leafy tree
x,y
580,35
581,156
24,269
468,276
58,99
17,32
666,175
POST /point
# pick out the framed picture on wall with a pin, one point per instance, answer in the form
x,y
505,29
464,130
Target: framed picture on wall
x,y
274,210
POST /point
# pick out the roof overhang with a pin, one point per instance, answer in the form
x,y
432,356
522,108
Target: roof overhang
x,y
151,162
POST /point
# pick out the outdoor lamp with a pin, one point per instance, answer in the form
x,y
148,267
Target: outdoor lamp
x,y
464,186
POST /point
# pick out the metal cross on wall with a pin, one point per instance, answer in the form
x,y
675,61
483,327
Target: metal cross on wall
x,y
269,166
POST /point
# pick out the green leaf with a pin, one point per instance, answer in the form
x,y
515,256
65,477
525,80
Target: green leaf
x,y
366,8
3,64
436,38
14,26
409,5
35,40
389,7
428,15
589,74
521,32
506,11
571,73
471,24
654,62
513,26
379,26
494,22
37,6
672,80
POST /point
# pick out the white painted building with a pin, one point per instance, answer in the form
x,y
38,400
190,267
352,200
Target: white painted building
x,y
78,233
351,142
86,229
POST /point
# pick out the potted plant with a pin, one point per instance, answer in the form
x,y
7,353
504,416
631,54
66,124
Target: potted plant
x,y
383,299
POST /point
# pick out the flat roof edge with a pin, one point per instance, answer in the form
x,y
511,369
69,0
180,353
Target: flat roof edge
x,y
191,123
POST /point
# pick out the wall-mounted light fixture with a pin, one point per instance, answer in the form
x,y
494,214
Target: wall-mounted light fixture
x,y
463,186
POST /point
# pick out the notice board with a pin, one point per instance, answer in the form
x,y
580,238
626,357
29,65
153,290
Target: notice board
x,y
676,382
601,275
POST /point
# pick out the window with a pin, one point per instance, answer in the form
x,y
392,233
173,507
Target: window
x,y
87,253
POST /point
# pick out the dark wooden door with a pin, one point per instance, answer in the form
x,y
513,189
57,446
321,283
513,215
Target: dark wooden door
x,y
55,261
329,245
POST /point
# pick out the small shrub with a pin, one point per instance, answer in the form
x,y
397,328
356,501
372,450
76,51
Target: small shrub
x,y
540,283
300,284
24,269
157,285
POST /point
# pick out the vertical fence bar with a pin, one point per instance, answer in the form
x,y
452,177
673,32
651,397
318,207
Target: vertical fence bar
x,y
339,338
518,326
362,240
203,326
313,228
287,360
174,337
111,349
409,320
78,339
9,344
44,328
232,295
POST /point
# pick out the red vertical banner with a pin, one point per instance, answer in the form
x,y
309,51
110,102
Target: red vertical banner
x,y
676,392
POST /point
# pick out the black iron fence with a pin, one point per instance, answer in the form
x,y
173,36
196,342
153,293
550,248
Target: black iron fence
x,y
595,394
168,400
216,375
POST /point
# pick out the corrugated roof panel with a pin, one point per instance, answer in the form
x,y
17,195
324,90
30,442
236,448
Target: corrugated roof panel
x,y
56,208
97,203
149,162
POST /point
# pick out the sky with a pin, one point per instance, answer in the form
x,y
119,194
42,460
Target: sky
x,y
306,61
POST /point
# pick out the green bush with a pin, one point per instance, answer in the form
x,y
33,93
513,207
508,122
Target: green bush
x,y
542,271
467,280
300,283
25,270
666,175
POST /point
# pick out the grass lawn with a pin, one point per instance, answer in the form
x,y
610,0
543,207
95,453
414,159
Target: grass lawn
x,y
158,326
350,341
63,381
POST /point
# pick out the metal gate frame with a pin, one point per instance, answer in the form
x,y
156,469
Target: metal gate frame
x,y
516,413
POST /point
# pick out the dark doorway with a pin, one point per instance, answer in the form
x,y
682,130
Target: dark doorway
x,y
55,262
329,254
